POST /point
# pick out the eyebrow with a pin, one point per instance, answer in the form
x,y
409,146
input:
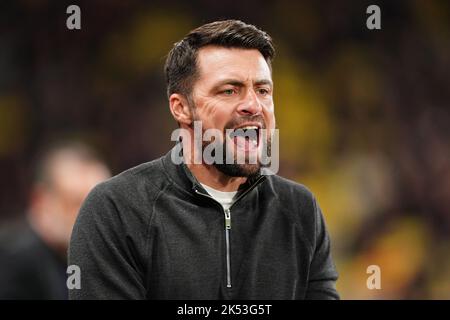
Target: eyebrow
x,y
239,83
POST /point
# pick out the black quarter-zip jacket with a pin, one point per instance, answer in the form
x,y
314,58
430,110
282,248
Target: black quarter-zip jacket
x,y
153,232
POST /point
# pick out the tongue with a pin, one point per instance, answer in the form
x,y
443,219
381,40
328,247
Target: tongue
x,y
245,143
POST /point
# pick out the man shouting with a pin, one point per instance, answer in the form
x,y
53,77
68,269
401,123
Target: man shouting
x,y
215,225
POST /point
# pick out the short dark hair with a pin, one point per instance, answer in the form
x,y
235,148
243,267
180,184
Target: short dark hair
x,y
181,63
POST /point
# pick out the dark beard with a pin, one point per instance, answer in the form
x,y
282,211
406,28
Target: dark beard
x,y
238,170
234,169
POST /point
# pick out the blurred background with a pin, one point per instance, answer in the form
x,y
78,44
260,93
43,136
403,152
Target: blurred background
x,y
363,116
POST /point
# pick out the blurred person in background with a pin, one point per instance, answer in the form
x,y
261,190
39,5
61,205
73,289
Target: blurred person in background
x,y
33,252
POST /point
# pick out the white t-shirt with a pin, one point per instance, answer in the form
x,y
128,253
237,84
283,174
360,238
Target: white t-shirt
x,y
224,198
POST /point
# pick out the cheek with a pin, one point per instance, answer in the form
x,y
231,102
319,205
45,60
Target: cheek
x,y
270,116
213,115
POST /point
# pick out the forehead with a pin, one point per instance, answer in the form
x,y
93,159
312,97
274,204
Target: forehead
x,y
216,63
73,175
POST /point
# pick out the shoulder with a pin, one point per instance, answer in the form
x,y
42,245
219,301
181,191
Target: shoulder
x,y
291,191
143,181
121,205
298,202
128,196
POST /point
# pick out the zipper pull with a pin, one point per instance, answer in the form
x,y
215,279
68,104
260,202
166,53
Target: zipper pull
x,y
227,219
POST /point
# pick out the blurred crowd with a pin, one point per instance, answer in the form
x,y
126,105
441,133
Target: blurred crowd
x,y
363,115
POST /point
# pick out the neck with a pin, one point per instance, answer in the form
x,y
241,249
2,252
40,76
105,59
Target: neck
x,y
210,175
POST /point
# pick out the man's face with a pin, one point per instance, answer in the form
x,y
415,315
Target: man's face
x,y
234,90
59,203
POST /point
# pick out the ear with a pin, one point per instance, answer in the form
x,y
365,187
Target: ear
x,y
39,199
180,109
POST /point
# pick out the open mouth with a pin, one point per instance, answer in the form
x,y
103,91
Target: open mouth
x,y
246,137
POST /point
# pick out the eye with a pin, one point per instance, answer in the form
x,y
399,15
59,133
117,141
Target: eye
x,y
263,91
228,92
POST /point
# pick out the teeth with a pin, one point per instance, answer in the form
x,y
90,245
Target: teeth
x,y
243,131
249,128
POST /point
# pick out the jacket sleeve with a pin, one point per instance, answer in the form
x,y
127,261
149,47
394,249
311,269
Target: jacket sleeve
x,y
323,274
104,252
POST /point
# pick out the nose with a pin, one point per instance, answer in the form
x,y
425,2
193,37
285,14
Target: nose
x,y
250,104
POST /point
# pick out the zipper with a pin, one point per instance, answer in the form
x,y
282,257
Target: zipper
x,y
248,190
227,242
227,214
